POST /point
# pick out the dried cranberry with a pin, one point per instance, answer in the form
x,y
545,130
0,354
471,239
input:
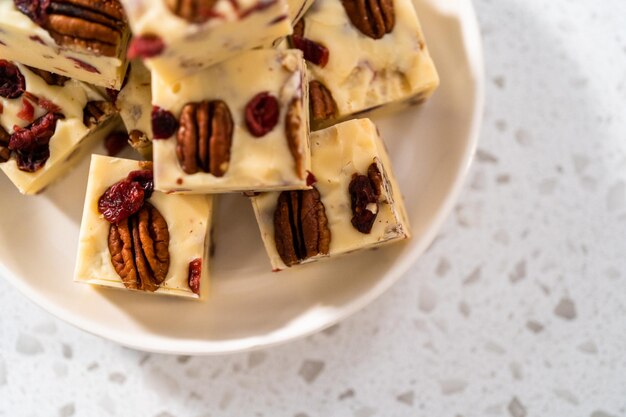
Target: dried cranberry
x,y
195,273
314,52
115,143
262,114
35,9
310,178
164,124
362,195
27,112
121,200
145,46
12,83
145,178
31,144
82,64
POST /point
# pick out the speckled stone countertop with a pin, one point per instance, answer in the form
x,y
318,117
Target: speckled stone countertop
x,y
518,309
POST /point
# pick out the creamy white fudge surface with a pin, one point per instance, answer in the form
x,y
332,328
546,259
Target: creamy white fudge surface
x,y
22,40
363,73
234,26
135,105
338,153
69,134
256,163
188,219
297,9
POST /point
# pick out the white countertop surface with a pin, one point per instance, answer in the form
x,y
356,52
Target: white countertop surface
x,y
518,309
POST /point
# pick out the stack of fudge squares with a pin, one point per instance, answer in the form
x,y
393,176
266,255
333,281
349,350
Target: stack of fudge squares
x,y
261,97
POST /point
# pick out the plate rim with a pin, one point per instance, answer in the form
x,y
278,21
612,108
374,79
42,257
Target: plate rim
x,y
471,36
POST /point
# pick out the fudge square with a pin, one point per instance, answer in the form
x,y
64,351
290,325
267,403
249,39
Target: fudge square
x,y
84,40
178,38
354,204
135,238
358,63
47,122
241,125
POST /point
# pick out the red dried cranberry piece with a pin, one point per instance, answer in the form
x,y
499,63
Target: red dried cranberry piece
x,y
82,64
121,200
12,83
31,144
362,194
145,177
35,9
27,112
164,124
195,273
145,46
262,114
310,179
314,52
115,143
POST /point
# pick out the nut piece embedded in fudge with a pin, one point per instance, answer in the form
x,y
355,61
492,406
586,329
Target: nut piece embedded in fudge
x,y
135,238
80,39
134,103
241,125
362,57
46,123
354,202
177,38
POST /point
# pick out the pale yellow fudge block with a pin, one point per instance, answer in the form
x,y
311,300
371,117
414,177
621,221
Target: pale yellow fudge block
x,y
23,40
256,163
188,219
363,73
229,28
71,137
297,9
340,153
134,103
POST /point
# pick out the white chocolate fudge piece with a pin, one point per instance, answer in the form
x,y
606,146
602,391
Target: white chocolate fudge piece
x,y
297,9
165,241
44,121
134,102
355,70
179,38
242,126
355,202
74,38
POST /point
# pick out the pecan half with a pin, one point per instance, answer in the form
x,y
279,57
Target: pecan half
x,y
374,18
365,192
139,248
94,25
49,77
293,123
322,106
300,226
5,152
193,11
96,111
205,137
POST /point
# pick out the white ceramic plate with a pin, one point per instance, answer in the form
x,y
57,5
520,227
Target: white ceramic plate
x,y
249,306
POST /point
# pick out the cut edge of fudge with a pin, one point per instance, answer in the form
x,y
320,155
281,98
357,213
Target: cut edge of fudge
x,y
239,133
100,240
47,124
46,41
295,227
413,80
